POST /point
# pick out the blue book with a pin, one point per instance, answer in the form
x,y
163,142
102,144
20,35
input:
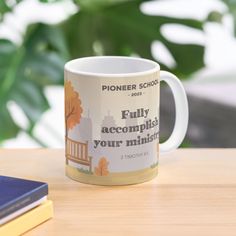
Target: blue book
x,y
16,194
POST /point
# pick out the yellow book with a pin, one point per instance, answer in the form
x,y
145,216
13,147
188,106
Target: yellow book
x,y
28,220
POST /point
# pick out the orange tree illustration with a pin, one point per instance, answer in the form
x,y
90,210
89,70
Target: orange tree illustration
x,y
73,109
102,168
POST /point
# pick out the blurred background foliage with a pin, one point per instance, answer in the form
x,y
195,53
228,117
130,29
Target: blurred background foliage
x,y
101,27
232,9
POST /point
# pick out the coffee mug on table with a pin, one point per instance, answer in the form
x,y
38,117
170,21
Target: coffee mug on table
x,y
112,119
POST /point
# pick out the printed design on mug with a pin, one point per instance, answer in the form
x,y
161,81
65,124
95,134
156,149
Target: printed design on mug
x,y
110,140
102,168
75,151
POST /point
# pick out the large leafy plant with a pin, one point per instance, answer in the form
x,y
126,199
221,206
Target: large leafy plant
x,y
107,27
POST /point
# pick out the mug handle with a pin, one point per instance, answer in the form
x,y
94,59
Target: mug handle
x,y
181,110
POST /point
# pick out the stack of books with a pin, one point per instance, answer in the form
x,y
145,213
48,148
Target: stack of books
x,y
23,205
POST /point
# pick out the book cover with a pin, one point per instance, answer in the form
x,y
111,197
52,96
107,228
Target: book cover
x,y
18,193
29,220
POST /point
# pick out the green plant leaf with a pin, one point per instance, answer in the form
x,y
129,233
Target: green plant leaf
x,y
122,29
7,6
8,128
4,7
25,70
91,5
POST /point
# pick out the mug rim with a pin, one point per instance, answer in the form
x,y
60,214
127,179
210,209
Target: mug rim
x,y
156,67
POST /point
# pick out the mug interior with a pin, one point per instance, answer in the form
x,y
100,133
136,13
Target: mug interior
x,y
111,65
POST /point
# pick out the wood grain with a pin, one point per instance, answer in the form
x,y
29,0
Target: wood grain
x,y
194,194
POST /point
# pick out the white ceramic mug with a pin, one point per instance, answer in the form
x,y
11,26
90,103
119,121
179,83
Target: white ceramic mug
x,y
112,119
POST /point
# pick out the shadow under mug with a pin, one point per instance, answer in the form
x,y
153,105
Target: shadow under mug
x,y
112,119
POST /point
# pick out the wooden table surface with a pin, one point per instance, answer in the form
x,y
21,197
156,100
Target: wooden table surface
x,y
194,194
